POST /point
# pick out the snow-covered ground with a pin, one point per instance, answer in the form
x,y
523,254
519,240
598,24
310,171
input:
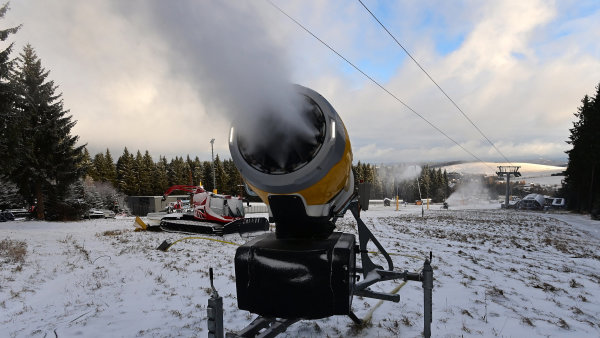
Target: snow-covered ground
x,y
497,273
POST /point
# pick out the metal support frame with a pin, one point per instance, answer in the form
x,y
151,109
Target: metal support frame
x,y
271,326
214,311
508,171
372,273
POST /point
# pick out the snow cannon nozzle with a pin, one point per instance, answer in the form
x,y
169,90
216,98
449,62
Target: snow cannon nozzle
x,y
301,168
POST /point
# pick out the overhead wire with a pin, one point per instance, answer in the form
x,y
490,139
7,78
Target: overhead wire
x,y
434,82
378,84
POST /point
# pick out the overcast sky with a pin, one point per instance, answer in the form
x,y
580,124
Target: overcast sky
x,y
167,76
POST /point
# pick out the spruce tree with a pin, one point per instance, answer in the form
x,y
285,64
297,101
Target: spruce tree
x,y
47,158
9,195
98,164
88,164
109,170
137,168
220,175
234,178
160,182
146,172
179,172
197,172
207,174
9,118
582,179
126,174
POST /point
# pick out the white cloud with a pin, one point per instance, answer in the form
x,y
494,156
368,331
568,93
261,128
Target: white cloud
x,y
129,78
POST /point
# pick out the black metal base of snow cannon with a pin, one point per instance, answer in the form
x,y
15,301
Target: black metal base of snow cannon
x,y
296,278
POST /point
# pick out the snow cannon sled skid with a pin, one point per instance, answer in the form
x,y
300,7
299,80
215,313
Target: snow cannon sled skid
x,y
189,224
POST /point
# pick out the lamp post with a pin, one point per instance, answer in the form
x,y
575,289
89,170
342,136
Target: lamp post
x,y
212,151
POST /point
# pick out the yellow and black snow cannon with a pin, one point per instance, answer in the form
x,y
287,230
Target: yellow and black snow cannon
x,y
306,269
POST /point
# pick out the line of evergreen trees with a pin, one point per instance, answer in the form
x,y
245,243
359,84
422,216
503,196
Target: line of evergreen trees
x,y
389,180
140,175
582,178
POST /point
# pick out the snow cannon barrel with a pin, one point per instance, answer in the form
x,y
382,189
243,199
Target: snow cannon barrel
x,y
299,165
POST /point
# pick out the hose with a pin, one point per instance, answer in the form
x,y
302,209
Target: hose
x,y
369,314
206,238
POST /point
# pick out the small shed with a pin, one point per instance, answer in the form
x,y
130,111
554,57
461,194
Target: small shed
x,y
142,205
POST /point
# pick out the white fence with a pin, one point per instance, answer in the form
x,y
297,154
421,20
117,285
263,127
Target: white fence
x,y
255,208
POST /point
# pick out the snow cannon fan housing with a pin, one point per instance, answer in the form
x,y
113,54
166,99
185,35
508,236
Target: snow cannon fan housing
x,y
306,183
304,269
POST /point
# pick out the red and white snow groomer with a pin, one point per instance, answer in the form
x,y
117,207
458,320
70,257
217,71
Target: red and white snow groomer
x,y
210,214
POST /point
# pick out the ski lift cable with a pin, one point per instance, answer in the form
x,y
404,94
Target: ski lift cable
x,y
379,85
436,84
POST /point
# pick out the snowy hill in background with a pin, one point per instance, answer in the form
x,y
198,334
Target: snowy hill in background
x,y
531,172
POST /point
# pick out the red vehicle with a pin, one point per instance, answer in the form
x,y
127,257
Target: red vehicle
x,y
210,213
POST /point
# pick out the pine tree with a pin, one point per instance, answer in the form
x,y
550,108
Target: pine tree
x,y
98,164
582,179
220,175
234,178
446,185
9,118
137,168
87,163
197,172
207,174
126,174
9,195
146,170
47,159
109,170
425,182
160,176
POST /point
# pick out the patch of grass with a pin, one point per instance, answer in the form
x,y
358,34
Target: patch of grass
x,y
527,321
495,292
466,313
356,329
112,233
13,251
82,250
576,310
562,324
176,313
465,328
546,287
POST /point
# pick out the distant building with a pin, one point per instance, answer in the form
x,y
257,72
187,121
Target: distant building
x,y
142,205
533,202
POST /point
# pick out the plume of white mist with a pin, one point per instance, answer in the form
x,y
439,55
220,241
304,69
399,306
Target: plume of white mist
x,y
400,172
468,193
224,50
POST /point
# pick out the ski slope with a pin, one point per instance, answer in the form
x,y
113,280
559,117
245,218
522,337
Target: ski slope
x,y
497,273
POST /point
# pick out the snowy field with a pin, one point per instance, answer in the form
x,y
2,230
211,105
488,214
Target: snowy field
x,y
497,273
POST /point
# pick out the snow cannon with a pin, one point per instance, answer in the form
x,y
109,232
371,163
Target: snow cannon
x,y
304,269
301,167
301,170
